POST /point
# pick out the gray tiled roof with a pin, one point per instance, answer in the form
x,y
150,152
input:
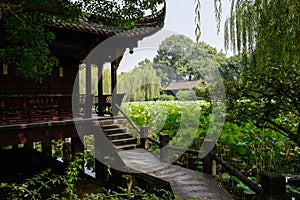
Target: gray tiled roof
x,y
184,85
149,25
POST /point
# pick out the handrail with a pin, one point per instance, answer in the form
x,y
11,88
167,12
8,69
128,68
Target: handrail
x,y
153,140
257,189
181,149
128,118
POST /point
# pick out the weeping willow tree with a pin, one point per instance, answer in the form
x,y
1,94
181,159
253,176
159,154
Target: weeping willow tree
x,y
266,34
140,84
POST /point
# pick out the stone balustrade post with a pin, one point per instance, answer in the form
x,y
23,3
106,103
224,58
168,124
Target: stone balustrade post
x,y
143,137
273,185
164,152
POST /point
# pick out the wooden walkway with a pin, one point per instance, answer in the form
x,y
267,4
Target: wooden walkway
x,y
185,183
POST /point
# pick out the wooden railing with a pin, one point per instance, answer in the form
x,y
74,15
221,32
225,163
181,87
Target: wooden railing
x,y
36,107
104,105
128,118
28,108
272,184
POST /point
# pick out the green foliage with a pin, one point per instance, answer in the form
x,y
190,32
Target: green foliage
x,y
46,180
197,19
186,95
136,193
179,58
72,175
27,34
166,116
28,37
202,92
165,97
266,35
141,83
122,14
28,49
292,191
170,51
250,149
31,188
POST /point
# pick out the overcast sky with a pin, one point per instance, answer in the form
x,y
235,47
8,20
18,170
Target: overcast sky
x,y
180,20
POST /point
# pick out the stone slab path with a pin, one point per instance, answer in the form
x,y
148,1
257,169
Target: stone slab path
x,y
185,183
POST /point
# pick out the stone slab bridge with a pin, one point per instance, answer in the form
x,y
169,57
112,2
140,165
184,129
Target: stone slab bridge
x,y
184,183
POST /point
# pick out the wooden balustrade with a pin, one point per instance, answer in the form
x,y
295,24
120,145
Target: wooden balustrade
x,y
35,107
28,108
105,104
272,184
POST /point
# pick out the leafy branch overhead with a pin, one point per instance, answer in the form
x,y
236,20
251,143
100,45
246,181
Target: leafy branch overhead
x,y
26,27
266,34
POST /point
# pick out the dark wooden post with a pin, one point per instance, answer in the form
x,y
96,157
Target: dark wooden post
x,y
28,146
67,155
164,152
60,106
273,185
77,147
209,165
88,91
143,137
47,150
100,90
114,66
100,168
15,147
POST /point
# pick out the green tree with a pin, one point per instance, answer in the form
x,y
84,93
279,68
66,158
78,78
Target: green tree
x,y
266,35
26,27
141,83
169,53
196,61
27,38
232,69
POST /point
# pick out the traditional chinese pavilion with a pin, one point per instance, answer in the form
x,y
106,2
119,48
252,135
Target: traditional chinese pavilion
x,y
33,112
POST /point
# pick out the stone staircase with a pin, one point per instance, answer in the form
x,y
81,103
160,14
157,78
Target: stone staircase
x,y
184,183
118,134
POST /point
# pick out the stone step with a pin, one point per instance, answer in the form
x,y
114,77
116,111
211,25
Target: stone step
x,y
124,141
118,121
115,136
114,130
110,126
127,147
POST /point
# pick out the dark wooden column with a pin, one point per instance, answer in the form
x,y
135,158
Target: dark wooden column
x,y
100,88
75,72
77,147
47,150
88,92
100,168
113,72
114,67
113,84
67,155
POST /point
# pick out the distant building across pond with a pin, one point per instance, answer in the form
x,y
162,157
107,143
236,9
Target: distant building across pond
x,y
173,88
